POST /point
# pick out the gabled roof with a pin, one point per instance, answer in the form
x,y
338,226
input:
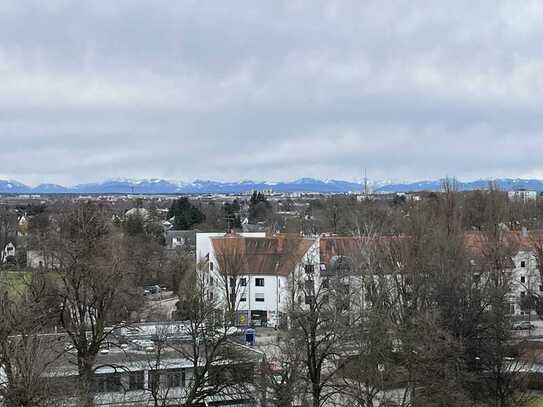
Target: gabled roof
x,y
475,242
263,255
515,241
335,246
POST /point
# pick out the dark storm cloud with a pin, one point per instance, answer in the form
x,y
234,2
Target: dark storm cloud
x,y
269,90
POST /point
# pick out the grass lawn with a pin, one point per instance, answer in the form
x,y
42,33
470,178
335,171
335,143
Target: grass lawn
x,y
16,282
536,401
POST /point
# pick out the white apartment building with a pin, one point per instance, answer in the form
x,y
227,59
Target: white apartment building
x,y
271,265
525,279
266,265
523,195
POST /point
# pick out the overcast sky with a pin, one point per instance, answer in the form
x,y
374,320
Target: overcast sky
x,y
273,90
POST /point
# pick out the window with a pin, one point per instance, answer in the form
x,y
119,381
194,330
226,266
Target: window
x,y
308,299
259,282
259,297
309,287
99,384
243,297
523,264
211,265
211,281
325,283
175,377
135,381
210,295
541,288
522,294
522,279
342,298
113,382
107,383
309,268
243,282
232,282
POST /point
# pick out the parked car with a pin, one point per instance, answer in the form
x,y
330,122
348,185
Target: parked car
x,y
522,325
151,289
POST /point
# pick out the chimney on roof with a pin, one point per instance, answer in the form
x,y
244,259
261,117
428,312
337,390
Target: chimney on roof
x,y
524,231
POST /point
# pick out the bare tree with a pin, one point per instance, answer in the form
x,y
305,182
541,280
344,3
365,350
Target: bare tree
x,y
502,387
231,266
220,368
25,354
159,383
321,321
93,286
280,380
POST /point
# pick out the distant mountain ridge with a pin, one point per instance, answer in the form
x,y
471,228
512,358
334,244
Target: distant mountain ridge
x,y
505,184
160,186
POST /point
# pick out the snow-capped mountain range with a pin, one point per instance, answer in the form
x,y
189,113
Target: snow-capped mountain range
x,y
160,186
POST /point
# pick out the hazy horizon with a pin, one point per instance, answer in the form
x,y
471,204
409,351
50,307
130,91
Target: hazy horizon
x,y
279,91
359,181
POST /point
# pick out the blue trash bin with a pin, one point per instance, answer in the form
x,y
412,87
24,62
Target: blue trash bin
x,y
250,336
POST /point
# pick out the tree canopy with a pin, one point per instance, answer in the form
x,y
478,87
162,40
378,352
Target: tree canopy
x,y
185,214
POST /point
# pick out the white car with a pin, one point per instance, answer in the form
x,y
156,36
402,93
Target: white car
x,y
522,325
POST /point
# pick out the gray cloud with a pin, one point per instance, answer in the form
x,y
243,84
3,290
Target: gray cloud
x,y
269,90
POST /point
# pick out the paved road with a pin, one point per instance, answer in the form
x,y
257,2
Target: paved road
x,y
162,305
537,332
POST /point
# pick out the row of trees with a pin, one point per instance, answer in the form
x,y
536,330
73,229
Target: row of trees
x,y
416,319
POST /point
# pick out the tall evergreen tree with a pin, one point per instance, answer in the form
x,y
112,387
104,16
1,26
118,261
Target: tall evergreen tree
x,y
185,214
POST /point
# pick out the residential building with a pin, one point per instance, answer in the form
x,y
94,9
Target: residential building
x,y
523,195
184,239
8,254
266,266
271,266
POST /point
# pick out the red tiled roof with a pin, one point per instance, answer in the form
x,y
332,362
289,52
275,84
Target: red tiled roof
x,y
263,255
514,240
474,243
340,246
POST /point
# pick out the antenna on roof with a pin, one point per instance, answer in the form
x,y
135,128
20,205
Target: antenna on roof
x,y
365,182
